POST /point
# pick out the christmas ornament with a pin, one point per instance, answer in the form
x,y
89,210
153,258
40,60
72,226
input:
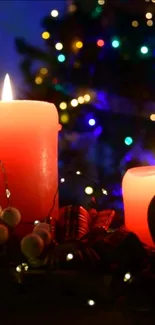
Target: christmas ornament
x,y
44,234
32,246
11,216
42,225
4,234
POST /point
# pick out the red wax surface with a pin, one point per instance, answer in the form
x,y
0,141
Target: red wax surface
x,y
28,150
138,190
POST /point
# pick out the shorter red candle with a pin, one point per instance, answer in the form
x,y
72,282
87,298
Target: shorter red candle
x,y
138,191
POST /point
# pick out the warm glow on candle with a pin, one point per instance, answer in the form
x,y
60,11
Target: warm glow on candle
x,y
7,91
139,200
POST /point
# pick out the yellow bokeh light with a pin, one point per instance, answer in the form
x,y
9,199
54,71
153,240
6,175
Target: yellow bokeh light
x,y
59,46
148,15
152,117
64,118
101,2
153,1
74,102
45,35
80,100
87,98
89,190
79,44
54,13
150,23
44,71
63,105
135,23
38,80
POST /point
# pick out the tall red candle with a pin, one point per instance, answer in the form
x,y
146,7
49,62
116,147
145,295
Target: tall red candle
x,y
28,150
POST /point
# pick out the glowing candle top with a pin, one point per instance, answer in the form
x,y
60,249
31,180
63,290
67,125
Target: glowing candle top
x,y
7,91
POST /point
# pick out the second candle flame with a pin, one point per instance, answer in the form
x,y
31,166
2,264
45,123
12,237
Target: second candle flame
x,y
7,91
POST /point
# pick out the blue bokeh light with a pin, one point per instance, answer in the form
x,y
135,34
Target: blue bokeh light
x,y
61,58
128,141
91,122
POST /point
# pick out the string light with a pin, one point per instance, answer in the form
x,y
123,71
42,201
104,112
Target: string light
x,y
69,257
152,117
54,13
150,23
148,15
79,44
45,35
25,266
92,122
61,58
38,80
44,71
127,277
100,43
87,98
80,100
89,190
78,172
135,23
74,102
104,191
63,105
128,141
64,118
18,268
36,222
144,50
59,46
91,302
115,43
62,180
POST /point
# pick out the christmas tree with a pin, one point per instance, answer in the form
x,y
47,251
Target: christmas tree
x,y
98,61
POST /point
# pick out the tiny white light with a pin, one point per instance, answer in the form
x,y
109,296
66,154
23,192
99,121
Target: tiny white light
x,y
8,193
62,180
148,15
78,172
18,268
104,191
89,190
91,302
127,277
74,102
54,13
69,257
36,222
25,266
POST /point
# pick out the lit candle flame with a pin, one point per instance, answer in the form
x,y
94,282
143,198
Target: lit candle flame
x,y
7,91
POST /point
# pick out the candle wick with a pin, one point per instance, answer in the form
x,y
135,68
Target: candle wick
x,y
7,191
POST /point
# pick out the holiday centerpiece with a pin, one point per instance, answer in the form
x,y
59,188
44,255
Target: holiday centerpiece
x,y
39,242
